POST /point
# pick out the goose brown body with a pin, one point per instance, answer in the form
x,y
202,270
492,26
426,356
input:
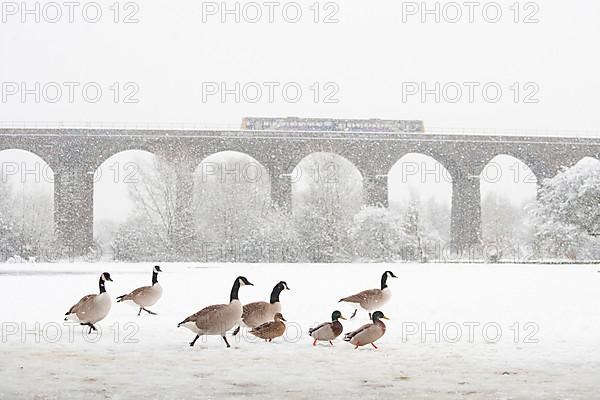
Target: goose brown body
x,y
372,299
145,296
260,312
91,308
218,318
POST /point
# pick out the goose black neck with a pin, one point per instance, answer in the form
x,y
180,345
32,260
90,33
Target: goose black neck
x,y
275,293
101,284
155,278
384,280
234,291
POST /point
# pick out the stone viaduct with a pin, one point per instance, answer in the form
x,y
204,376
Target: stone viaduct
x,y
75,154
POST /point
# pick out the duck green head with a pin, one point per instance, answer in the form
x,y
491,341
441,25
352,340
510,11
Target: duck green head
x,y
377,315
337,315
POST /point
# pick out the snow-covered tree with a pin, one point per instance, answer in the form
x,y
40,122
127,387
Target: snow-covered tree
x,y
411,225
506,226
26,219
426,226
567,215
229,205
230,212
6,224
435,217
377,235
327,198
278,237
137,241
323,226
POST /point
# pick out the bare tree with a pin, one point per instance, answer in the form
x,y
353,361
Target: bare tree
x,y
154,198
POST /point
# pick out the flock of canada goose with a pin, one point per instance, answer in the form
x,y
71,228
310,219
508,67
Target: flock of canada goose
x,y
264,319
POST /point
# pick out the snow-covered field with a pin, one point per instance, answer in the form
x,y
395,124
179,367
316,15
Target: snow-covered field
x,y
548,347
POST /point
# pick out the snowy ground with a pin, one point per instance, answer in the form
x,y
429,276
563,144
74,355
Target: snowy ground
x,y
149,357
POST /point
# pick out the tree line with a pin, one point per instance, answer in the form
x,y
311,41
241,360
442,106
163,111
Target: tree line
x,y
233,219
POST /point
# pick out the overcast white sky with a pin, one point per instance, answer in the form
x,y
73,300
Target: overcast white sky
x,y
170,53
369,55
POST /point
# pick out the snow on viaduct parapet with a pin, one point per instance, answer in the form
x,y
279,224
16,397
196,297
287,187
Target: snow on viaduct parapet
x,y
75,154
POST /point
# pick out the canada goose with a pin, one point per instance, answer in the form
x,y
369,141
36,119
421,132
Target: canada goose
x,y
270,330
369,333
328,331
259,312
93,307
217,319
372,299
145,296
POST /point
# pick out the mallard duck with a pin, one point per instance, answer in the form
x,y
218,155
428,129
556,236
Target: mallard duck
x,y
219,318
373,299
270,330
259,312
93,307
145,296
328,331
368,333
